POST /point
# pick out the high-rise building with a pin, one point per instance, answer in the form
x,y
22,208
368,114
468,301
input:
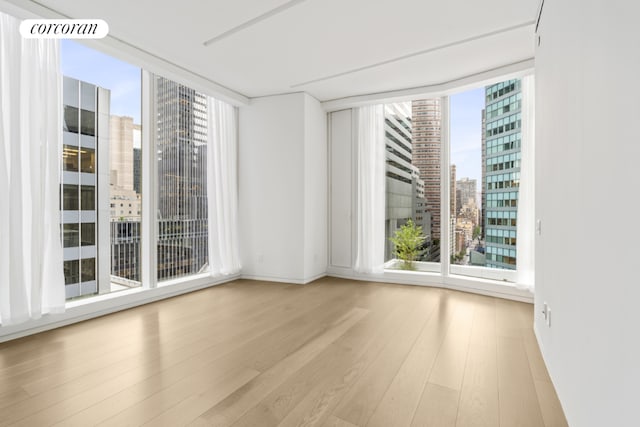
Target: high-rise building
x,y
466,189
84,193
137,170
427,141
467,217
121,152
182,179
453,203
483,190
125,202
400,183
452,210
420,216
501,172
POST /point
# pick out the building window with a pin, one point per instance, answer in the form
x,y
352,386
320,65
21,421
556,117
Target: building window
x,y
484,176
87,123
87,160
70,158
70,235
71,272
88,271
71,119
70,197
88,234
87,197
485,156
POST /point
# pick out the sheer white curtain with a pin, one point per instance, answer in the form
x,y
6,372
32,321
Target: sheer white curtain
x,y
222,180
525,262
31,274
369,133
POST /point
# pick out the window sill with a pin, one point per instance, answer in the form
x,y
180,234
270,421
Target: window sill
x,y
100,305
483,286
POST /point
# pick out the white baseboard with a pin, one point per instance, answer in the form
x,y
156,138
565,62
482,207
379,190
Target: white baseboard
x,y
283,279
459,283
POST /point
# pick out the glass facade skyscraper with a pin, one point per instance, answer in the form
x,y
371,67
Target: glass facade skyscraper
x,y
182,179
501,172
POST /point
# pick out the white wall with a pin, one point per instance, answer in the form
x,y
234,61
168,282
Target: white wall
x,y
341,189
587,154
282,188
315,189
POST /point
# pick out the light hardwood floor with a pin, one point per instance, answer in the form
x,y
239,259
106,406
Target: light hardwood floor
x,y
335,353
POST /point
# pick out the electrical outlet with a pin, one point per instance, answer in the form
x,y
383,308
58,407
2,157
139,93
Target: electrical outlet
x,y
548,317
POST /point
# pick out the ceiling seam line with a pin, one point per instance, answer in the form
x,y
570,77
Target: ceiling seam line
x,y
433,86
411,55
180,67
249,23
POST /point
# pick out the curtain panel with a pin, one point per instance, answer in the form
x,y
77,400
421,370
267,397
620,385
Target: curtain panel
x,y
222,180
525,261
369,134
31,270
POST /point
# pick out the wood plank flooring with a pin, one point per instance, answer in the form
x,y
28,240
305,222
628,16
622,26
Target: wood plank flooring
x,y
334,353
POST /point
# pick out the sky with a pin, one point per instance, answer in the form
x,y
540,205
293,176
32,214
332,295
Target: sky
x,y
121,78
466,133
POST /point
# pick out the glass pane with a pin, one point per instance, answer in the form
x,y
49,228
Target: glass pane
x,y
70,235
412,142
88,234
87,197
70,158
71,272
485,169
70,197
182,179
88,272
87,160
71,118
87,122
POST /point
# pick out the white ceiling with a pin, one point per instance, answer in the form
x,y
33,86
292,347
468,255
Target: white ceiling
x,y
328,48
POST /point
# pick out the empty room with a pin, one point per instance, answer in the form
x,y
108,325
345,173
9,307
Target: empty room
x,y
319,213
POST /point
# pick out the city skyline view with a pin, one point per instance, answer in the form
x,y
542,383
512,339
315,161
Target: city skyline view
x,y
466,132
484,173
113,129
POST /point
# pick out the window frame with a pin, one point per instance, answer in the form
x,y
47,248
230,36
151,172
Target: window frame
x,y
445,268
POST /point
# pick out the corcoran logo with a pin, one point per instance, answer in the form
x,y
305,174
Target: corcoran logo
x,y
63,28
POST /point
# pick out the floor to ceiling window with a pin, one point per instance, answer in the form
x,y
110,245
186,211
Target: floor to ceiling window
x,y
485,175
413,147
102,184
483,139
